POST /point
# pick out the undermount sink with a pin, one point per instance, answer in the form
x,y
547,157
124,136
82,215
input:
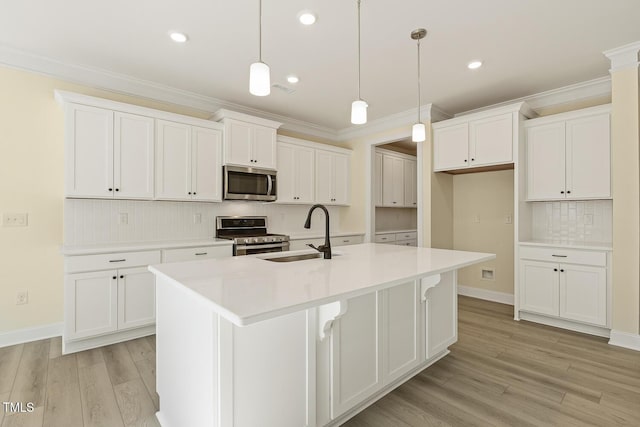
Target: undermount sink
x,y
299,257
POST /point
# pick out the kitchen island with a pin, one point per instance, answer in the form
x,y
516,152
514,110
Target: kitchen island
x,y
248,341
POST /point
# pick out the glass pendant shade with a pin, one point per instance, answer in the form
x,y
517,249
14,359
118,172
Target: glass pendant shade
x,y
359,112
418,132
259,79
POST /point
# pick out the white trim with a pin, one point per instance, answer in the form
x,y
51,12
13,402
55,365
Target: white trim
x,y
36,333
557,322
518,107
625,339
485,294
397,153
222,114
623,57
108,339
561,117
313,144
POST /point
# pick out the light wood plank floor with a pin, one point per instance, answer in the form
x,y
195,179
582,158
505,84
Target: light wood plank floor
x,y
501,373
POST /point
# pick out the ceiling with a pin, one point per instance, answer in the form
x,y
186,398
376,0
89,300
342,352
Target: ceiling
x,y
528,46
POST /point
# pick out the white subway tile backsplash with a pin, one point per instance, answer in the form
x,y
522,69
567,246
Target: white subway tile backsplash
x,y
582,221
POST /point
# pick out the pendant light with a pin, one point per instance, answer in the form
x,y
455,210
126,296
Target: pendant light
x,y
259,75
418,132
359,107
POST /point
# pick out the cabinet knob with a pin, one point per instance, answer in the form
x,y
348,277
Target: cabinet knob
x,y
568,191
111,189
562,192
465,160
114,277
194,193
555,269
117,189
189,192
561,271
473,160
122,277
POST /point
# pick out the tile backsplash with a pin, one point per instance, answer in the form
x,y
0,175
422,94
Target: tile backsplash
x,y
579,221
94,222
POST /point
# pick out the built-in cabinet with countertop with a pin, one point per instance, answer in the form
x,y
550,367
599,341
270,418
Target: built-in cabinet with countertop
x,y
569,155
122,151
110,294
479,140
248,140
395,179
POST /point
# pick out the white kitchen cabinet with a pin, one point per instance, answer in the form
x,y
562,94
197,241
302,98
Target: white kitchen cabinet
x,y
136,298
297,244
296,173
478,140
393,181
332,178
440,314
192,254
569,155
91,304
249,144
540,284
410,184
108,154
405,238
377,182
583,294
188,162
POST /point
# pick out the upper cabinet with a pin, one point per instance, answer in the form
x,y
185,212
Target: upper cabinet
x,y
396,179
122,151
332,177
108,154
296,173
248,141
478,140
569,155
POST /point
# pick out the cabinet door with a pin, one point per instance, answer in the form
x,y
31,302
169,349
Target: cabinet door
x,y
206,164
355,354
583,294
133,156
136,298
400,330
539,292
286,173
393,181
441,315
410,184
173,160
324,177
341,179
491,140
451,147
546,162
304,174
238,140
91,305
89,152
588,157
264,147
378,179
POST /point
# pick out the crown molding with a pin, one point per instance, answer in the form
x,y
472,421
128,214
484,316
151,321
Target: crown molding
x,y
623,57
404,118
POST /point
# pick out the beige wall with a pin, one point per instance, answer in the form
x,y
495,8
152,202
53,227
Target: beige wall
x,y
488,195
31,181
625,134
441,210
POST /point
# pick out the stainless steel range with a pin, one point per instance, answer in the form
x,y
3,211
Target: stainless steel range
x,y
249,235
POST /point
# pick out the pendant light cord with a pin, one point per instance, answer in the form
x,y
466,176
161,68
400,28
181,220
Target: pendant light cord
x,y
359,50
260,29
418,80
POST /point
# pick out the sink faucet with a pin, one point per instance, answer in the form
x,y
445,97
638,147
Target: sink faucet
x,y
326,248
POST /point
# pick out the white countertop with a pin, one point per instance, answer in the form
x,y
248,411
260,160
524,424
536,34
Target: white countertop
x,y
320,235
408,230
135,246
572,244
249,289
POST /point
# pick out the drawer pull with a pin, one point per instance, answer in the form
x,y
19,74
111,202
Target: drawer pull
x,y
117,260
345,241
201,253
559,256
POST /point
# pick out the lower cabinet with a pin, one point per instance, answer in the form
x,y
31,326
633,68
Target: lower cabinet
x,y
299,244
136,298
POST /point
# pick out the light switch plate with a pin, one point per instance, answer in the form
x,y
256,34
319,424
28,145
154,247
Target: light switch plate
x,y
15,219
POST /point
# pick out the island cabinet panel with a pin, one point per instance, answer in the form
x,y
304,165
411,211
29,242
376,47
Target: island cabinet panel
x,y
441,315
355,354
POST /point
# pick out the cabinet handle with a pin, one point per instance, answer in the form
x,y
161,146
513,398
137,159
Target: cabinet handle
x,y
568,191
562,192
117,260
465,160
561,271
394,203
114,277
201,253
117,189
555,269
345,241
122,277
559,256
111,189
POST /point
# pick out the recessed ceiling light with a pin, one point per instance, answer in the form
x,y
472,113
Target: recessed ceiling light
x,y
474,65
178,37
293,79
307,17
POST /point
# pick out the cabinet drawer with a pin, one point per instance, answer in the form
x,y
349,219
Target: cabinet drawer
x,y
346,240
191,254
75,264
561,255
409,235
385,238
413,242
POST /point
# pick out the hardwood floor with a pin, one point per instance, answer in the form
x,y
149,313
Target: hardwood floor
x,y
499,373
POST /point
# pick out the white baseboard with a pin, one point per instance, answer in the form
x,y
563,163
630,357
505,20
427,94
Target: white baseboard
x,y
625,339
30,334
485,294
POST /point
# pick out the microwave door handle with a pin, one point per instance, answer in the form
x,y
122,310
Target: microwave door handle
x,y
269,185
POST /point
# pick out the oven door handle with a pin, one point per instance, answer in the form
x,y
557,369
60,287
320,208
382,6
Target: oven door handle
x,y
270,246
269,184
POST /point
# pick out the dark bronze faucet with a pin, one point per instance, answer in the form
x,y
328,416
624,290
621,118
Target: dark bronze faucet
x,y
326,248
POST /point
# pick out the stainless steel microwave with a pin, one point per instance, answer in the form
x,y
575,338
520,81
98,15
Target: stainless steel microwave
x,y
247,183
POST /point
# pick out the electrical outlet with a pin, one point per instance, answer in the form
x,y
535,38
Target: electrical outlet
x,y
22,297
123,218
197,218
508,219
14,219
476,218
